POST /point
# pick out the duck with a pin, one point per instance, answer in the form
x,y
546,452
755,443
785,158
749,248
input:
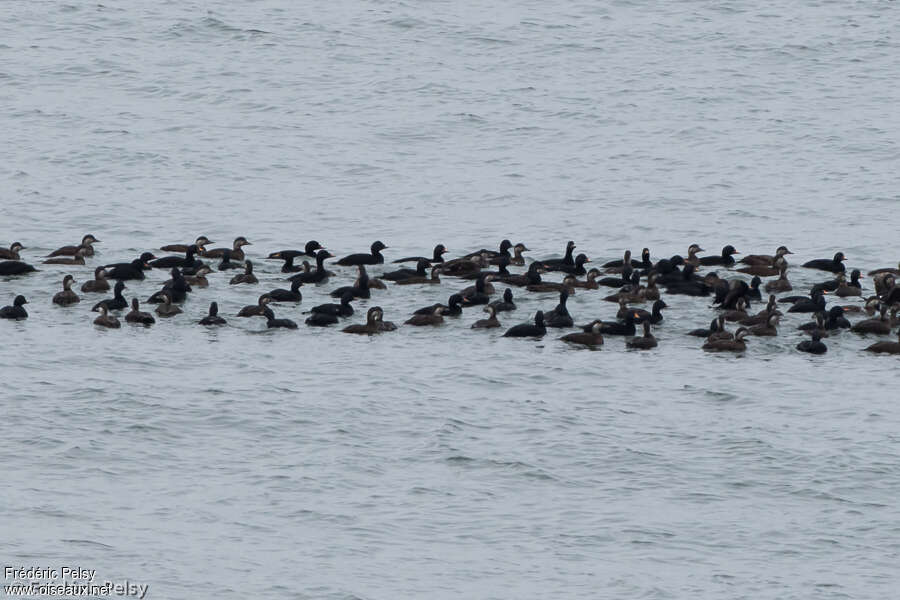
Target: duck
x,y
767,329
66,296
835,265
15,267
645,342
813,346
273,323
117,302
505,245
167,309
310,249
189,260
722,345
623,280
617,328
754,292
344,309
434,279
568,284
764,270
227,264
763,315
360,287
655,315
16,312
435,318
725,259
98,284
833,319
781,284
717,324
844,289
236,249
692,258
177,287
320,275
616,266
479,293
437,257
815,303
764,259
688,285
558,264
885,347
213,317
321,320
291,295
491,322
373,325
201,240
107,320
536,329
135,315
86,248
375,258
465,265
738,313
531,277
246,277
586,338
502,271
650,292
590,281
133,270
506,304
516,259
78,259
452,308
420,271
13,252
198,279
255,310
880,326
559,316
832,285
578,267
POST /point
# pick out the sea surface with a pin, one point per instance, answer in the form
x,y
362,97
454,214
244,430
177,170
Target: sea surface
x,y
447,463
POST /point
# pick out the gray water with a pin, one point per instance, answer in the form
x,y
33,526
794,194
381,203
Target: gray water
x,y
447,463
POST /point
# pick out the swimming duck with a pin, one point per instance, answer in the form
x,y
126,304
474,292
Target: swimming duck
x,y
435,318
255,310
764,270
558,264
568,284
213,317
246,277
436,258
177,287
536,329
479,293
491,322
879,326
844,289
762,316
725,259
717,324
227,264
16,311
320,275
419,271
764,259
692,258
885,347
77,259
375,258
781,284
273,323
344,309
590,282
506,304
767,329
117,302
835,265
98,284
374,320
815,303
516,259
434,279
359,289
291,295
616,328
66,296
15,267
655,315
452,308
591,338
321,320
736,345
167,309
86,248
133,270
236,249
106,320
135,315
813,346
189,260
531,277
201,241
645,342
13,252
505,245
310,249
198,279
559,316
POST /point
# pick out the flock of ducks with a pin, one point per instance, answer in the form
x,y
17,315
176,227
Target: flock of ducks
x,y
636,282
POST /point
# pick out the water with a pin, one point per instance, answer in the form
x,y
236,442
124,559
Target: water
x,y
448,463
